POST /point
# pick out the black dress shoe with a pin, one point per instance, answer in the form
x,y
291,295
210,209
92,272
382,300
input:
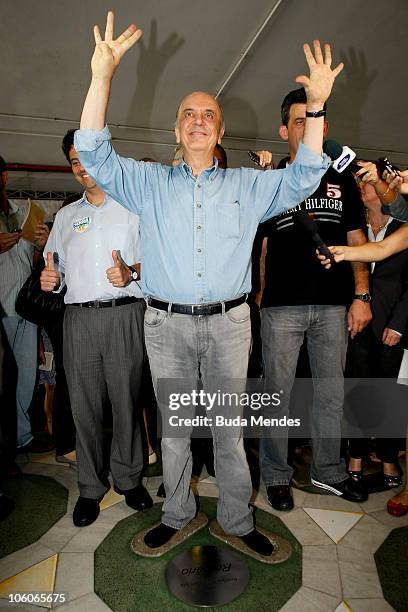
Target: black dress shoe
x,y
280,497
350,489
158,536
137,498
86,511
258,542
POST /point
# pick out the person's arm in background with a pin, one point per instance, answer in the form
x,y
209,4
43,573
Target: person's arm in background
x,y
359,314
371,251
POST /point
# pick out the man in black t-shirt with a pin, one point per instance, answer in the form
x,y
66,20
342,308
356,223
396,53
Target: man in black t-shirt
x,y
300,299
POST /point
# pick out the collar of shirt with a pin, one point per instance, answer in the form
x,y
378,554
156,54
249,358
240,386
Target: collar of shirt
x,y
209,173
84,201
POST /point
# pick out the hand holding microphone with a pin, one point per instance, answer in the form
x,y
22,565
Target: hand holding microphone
x,y
310,226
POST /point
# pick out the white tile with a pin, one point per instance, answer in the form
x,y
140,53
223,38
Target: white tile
x,y
391,521
308,600
75,574
378,501
367,535
330,502
60,534
304,528
343,607
333,522
358,574
321,569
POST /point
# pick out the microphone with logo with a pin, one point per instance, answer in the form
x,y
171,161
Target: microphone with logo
x,y
343,157
310,226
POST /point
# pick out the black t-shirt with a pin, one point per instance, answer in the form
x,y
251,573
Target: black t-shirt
x,y
293,274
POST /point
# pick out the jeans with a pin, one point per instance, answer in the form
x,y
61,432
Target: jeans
x,y
283,330
23,341
184,346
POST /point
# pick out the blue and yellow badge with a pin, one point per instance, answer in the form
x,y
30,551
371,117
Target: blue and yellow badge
x,y
81,225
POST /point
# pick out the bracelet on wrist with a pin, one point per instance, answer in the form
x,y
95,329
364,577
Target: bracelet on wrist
x,y
381,195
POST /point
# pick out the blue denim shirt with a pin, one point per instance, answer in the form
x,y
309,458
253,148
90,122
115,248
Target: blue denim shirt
x,y
197,232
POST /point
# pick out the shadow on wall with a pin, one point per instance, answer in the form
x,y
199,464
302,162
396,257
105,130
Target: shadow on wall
x,y
351,91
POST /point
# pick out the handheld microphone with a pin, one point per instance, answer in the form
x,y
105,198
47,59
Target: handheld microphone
x,y
310,226
254,157
343,157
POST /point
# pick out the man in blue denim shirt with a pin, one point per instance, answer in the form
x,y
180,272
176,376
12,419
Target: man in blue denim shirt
x,y
197,227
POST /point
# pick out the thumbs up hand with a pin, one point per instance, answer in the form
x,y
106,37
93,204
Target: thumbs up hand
x,y
50,278
119,274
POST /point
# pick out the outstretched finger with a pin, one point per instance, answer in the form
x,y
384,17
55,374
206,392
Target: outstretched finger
x,y
97,34
130,32
109,27
338,69
327,54
318,51
308,55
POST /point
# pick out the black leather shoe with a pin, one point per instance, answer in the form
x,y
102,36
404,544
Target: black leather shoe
x,y
158,536
280,497
350,489
258,542
137,498
86,512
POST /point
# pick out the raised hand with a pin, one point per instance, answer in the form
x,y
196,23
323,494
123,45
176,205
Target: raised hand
x,y
41,236
319,83
109,51
119,274
50,278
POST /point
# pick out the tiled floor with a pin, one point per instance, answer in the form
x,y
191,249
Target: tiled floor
x,y
338,539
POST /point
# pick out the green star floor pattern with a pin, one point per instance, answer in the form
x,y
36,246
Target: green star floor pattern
x,y
127,582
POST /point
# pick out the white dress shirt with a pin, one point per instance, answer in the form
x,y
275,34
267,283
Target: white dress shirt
x,y
83,238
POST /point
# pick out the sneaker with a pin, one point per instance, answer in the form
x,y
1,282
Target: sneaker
x,y
349,489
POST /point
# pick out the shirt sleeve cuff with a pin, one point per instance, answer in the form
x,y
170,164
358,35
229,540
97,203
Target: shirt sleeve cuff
x,y
89,140
307,157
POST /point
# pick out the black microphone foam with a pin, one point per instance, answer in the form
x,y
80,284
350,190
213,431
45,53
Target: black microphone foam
x,y
332,149
310,226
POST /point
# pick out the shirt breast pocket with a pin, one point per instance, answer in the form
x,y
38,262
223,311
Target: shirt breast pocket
x,y
228,219
120,238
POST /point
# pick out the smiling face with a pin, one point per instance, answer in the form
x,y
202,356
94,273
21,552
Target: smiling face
x,y
79,171
199,123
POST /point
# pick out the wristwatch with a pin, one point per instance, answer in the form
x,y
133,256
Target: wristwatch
x,y
133,274
364,297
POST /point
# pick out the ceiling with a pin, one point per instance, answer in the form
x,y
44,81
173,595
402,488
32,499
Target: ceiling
x,y
247,51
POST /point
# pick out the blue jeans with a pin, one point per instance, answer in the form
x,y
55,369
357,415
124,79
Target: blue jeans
x,y
181,346
283,330
23,341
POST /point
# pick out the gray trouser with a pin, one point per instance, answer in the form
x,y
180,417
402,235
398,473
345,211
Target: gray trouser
x,y
103,356
283,329
181,346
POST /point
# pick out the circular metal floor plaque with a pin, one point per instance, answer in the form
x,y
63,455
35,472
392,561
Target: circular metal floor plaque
x,y
207,576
